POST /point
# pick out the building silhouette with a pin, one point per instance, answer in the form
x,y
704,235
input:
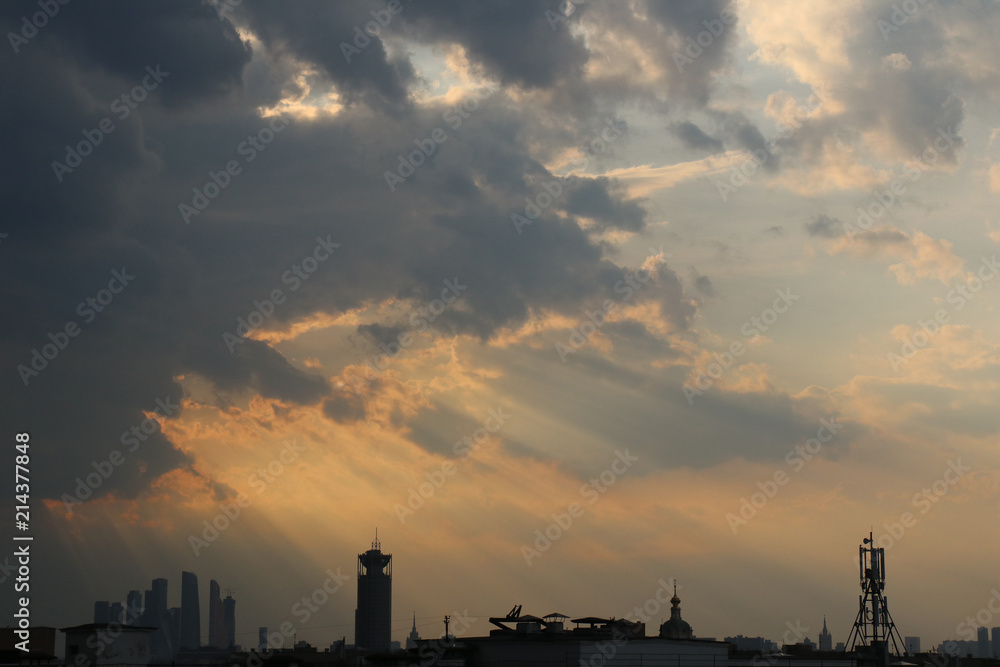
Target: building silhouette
x,y
115,615
995,634
983,648
190,612
229,620
373,616
133,607
262,638
102,611
156,616
825,638
413,638
216,617
912,645
676,627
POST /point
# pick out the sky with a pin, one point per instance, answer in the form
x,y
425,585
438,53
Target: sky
x,y
569,301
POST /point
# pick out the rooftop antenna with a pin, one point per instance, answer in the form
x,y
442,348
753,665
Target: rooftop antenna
x,y
874,628
375,544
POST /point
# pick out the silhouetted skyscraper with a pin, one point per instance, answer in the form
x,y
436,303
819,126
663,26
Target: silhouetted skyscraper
x,y
262,639
229,616
912,645
102,610
995,634
373,616
172,630
133,607
190,612
983,643
216,618
160,597
411,640
115,616
825,639
155,616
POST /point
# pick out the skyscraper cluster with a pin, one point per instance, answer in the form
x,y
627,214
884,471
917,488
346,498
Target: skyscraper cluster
x,y
176,628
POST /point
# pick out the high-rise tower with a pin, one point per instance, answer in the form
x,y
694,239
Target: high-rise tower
x,y
229,619
825,638
216,618
190,612
373,616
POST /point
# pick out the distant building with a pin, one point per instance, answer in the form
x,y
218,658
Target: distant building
x,y
102,611
172,631
912,645
676,627
116,614
108,644
216,616
995,632
133,607
840,647
413,638
958,647
757,644
190,612
594,642
983,649
825,638
262,639
229,620
373,616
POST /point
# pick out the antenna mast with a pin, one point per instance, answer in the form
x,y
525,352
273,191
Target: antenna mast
x,y
874,628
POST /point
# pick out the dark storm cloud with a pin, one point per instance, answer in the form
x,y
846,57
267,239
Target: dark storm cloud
x,y
205,56
824,226
312,184
693,136
603,201
513,41
317,32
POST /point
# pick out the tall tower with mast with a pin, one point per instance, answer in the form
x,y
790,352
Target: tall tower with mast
x,y
874,628
373,616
